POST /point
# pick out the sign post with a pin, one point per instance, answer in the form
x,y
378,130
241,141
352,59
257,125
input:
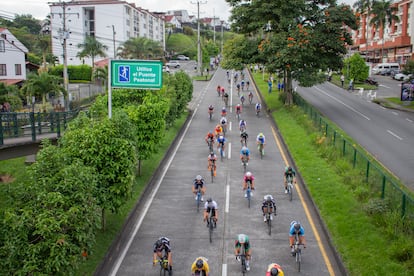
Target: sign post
x,y
135,74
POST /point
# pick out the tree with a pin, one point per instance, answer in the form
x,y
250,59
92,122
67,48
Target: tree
x,y
383,15
92,48
355,68
39,85
141,48
305,37
363,8
28,21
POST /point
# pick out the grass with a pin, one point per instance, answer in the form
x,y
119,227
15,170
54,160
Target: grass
x,y
365,243
203,78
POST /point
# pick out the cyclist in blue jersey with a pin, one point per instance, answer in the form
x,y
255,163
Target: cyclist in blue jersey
x,y
245,153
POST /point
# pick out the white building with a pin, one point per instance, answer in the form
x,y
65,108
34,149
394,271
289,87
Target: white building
x,y
112,22
12,58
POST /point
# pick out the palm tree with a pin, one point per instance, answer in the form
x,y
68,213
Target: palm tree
x,y
141,48
43,84
43,43
92,48
364,6
383,15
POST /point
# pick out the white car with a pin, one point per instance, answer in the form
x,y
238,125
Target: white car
x,y
183,57
402,77
173,64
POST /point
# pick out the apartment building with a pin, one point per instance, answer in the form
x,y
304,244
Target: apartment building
x,y
112,22
12,58
393,43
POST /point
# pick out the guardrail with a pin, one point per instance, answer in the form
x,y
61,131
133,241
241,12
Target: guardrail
x,y
30,124
379,182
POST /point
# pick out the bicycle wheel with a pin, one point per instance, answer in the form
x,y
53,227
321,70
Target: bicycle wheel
x,y
221,153
211,228
290,191
269,223
298,259
198,200
261,151
244,166
248,196
212,172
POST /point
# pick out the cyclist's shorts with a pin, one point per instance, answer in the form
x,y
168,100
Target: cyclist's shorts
x,y
213,213
196,185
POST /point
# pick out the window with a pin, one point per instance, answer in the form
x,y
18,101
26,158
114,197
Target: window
x,y
18,69
2,49
3,71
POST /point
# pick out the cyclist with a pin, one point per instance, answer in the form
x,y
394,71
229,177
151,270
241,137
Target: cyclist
x,y
289,172
211,205
223,112
243,240
218,130
258,108
238,88
228,74
248,177
199,183
162,244
242,84
268,199
245,154
226,98
218,90
296,228
210,109
242,125
242,99
238,109
260,140
200,267
247,85
210,137
212,158
274,270
223,122
221,141
250,95
243,137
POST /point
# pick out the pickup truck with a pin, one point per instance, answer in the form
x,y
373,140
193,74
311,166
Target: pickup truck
x,y
173,64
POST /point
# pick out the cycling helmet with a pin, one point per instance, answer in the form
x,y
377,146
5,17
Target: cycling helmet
x,y
297,226
274,272
210,106
238,105
158,244
261,134
289,169
244,148
212,153
268,198
198,177
248,174
199,263
241,238
223,109
221,137
209,200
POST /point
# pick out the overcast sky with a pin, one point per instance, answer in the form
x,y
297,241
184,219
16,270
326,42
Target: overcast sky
x,y
208,8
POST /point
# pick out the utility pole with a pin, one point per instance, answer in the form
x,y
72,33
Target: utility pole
x,y
222,37
199,58
214,27
113,38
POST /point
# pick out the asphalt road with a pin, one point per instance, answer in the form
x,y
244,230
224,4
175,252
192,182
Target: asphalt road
x,y
169,209
387,134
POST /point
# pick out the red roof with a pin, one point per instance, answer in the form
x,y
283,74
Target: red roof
x,y
168,18
102,62
11,81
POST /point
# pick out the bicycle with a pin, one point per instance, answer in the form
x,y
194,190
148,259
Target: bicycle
x,y
268,217
297,251
221,151
164,269
261,151
258,112
238,111
244,161
211,225
198,199
242,257
210,144
210,114
226,101
249,192
212,168
242,99
250,97
290,187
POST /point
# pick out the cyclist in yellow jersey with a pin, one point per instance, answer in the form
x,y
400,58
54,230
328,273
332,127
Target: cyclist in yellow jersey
x,y
274,270
200,267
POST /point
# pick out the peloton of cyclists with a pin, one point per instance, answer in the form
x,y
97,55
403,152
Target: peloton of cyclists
x,y
248,177
162,245
268,199
289,173
199,183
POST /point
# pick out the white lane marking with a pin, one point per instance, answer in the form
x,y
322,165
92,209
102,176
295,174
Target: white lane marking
x,y
152,195
344,104
409,120
230,126
227,208
395,113
229,155
385,86
224,270
395,135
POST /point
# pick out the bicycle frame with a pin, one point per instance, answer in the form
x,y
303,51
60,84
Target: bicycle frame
x,y
212,169
290,187
261,145
268,217
210,144
198,199
244,160
242,256
298,252
163,261
221,151
249,191
211,225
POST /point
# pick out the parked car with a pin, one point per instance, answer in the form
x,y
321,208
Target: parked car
x,y
402,77
173,64
182,57
371,81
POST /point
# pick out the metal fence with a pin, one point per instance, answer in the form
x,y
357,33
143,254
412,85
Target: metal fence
x,y
379,182
31,124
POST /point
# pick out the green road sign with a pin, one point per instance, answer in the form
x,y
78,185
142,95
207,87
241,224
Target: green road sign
x,y
144,74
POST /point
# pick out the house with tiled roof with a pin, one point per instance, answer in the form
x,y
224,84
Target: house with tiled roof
x,y
172,21
12,58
